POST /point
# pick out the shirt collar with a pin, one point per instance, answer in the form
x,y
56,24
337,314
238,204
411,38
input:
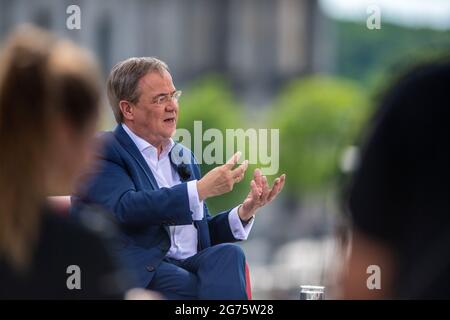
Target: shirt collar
x,y
145,147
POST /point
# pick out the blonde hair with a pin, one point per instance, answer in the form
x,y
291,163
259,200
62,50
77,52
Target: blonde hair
x,y
41,79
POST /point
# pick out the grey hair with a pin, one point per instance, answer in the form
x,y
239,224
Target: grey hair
x,y
124,78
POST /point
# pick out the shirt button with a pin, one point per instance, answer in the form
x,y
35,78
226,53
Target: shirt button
x,y
150,268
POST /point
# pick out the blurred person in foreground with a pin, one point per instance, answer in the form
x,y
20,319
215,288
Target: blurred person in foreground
x,y
400,196
153,187
49,104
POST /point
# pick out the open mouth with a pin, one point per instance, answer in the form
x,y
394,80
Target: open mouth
x,y
169,120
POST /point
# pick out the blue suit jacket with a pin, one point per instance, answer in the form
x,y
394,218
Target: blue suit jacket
x,y
124,185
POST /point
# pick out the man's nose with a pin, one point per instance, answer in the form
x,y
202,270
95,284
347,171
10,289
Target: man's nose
x,y
172,105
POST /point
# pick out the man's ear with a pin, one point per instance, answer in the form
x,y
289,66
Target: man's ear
x,y
127,109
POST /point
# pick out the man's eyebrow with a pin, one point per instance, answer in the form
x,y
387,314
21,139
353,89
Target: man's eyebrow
x,y
163,94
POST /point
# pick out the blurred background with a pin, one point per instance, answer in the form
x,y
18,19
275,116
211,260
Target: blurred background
x,y
312,69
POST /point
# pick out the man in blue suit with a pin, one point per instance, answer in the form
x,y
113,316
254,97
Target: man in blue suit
x,y
154,190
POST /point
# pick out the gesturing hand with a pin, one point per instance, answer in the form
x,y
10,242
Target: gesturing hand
x,y
260,194
221,179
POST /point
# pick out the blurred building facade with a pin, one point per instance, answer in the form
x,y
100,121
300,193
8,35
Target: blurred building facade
x,y
257,44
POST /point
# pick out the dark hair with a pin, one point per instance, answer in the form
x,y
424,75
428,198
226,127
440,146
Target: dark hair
x,y
400,194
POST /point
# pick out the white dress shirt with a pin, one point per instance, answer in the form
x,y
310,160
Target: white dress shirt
x,y
183,238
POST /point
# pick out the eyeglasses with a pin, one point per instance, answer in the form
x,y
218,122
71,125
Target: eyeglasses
x,y
164,98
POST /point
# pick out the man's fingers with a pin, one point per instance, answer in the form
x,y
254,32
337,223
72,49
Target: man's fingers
x,y
238,178
258,177
239,171
233,160
278,185
254,190
282,181
275,189
265,189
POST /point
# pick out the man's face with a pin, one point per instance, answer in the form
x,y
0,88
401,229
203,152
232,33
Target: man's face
x,y
152,121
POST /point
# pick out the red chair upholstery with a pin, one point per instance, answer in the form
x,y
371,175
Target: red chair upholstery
x,y
248,285
61,204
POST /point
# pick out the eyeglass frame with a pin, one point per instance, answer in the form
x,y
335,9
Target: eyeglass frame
x,y
167,97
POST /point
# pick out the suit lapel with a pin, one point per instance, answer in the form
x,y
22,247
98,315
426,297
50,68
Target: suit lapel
x,y
132,149
128,144
177,167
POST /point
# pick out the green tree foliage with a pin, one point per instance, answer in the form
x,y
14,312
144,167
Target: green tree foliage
x,y
372,55
318,117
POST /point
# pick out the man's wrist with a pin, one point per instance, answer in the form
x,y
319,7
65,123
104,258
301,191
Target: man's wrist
x,y
201,192
244,219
